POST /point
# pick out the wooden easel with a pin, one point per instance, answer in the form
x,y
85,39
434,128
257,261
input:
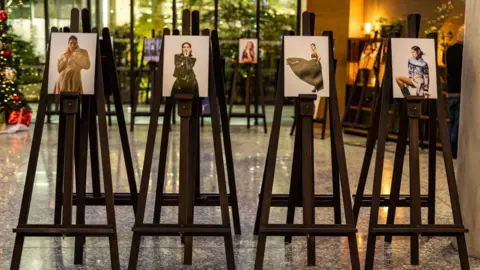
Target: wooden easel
x,y
302,192
323,119
248,88
363,76
410,111
201,199
362,200
152,80
189,111
73,139
96,197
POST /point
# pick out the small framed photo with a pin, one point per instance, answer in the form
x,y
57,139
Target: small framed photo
x,y
185,65
306,61
151,49
72,63
369,55
414,67
248,51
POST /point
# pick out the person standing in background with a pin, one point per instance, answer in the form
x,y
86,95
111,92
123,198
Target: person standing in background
x,y
454,59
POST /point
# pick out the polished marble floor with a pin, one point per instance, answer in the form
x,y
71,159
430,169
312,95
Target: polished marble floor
x,y
249,147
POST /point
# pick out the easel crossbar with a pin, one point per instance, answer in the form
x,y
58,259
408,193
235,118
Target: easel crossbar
x,y
64,230
403,201
427,229
179,229
203,199
118,198
302,230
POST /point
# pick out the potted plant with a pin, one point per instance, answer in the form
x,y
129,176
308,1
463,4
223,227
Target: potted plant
x,y
386,26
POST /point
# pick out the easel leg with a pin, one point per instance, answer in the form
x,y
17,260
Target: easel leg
x,y
371,141
134,250
82,175
60,160
415,207
174,109
335,179
221,179
134,97
398,165
263,211
255,94
185,111
296,176
338,157
452,184
294,125
68,173
30,178
107,172
145,179
162,160
227,144
194,178
324,125
350,97
127,154
308,183
432,160
94,161
380,130
49,110
233,93
247,99
262,101
260,199
17,252
109,109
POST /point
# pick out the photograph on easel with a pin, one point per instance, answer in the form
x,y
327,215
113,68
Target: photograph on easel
x,y
151,49
185,65
414,68
72,63
369,55
248,51
306,60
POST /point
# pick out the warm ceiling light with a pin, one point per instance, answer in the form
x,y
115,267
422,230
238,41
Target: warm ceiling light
x,y
368,28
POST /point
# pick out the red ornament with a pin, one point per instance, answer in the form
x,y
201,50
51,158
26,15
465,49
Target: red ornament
x,y
16,98
3,15
7,53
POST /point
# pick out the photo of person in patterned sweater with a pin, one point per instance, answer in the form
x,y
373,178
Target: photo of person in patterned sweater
x,y
418,75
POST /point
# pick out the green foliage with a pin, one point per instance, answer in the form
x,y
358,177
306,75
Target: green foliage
x,y
10,97
24,55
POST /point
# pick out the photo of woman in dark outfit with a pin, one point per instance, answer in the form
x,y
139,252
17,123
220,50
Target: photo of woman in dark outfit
x,y
186,81
309,71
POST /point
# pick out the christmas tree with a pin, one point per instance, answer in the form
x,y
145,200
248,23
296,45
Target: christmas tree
x,y
13,106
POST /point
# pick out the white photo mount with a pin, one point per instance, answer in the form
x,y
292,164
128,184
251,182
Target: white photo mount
x,y
186,65
306,61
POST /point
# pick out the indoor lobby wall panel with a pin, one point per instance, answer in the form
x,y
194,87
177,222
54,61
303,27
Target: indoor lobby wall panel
x,y
334,15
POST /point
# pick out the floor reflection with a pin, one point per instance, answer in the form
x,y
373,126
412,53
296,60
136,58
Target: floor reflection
x,y
249,148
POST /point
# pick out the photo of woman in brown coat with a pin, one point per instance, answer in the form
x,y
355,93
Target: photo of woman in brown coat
x,y
69,67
